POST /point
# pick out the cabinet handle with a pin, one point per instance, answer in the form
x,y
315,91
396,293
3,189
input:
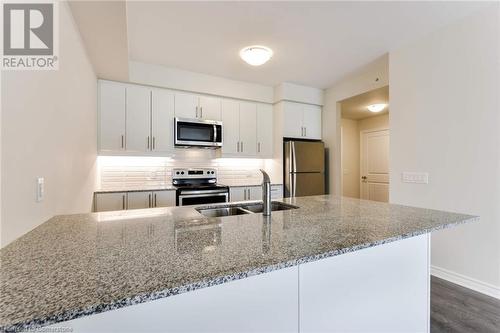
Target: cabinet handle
x,y
201,111
238,149
196,112
149,200
242,146
123,141
258,147
148,142
244,194
155,200
154,142
123,202
305,131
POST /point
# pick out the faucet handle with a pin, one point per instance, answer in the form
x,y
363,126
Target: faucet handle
x,y
266,177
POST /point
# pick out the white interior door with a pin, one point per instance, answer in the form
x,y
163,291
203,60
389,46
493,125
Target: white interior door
x,y
162,122
210,108
374,160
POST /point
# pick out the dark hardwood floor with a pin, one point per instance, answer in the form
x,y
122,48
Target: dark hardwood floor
x,y
458,309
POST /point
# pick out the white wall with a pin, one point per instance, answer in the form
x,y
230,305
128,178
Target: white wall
x,y
166,77
48,130
445,120
372,76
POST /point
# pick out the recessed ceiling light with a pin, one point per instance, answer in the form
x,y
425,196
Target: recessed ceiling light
x,y
376,107
256,55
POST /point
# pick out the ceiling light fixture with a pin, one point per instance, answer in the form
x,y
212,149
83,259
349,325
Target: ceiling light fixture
x,y
376,107
256,55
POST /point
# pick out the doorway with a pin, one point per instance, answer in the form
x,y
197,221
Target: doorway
x,y
365,145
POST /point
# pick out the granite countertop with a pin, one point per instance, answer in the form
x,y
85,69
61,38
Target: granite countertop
x,y
78,265
231,183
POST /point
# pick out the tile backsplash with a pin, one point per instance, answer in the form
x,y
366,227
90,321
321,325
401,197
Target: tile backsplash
x,y
127,172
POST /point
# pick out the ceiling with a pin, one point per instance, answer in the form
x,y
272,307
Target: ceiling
x,y
314,43
355,107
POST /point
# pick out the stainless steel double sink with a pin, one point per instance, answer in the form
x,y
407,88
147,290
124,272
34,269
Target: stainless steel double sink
x,y
242,208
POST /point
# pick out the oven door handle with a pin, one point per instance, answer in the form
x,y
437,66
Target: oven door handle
x,y
203,195
198,193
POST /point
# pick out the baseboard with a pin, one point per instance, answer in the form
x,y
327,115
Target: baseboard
x,y
467,282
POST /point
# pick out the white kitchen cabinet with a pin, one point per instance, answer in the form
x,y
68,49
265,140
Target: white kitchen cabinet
x,y
186,105
197,107
164,198
104,202
301,121
312,122
162,120
138,119
210,108
244,193
231,127
237,193
264,130
138,200
248,128
276,191
111,116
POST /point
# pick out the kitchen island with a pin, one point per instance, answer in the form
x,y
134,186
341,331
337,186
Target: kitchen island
x,y
334,264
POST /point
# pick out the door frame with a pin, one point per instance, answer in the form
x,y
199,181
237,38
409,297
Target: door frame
x,y
361,151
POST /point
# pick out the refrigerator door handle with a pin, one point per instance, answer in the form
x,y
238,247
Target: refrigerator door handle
x,y
293,162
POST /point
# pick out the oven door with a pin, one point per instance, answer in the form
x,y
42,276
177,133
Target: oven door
x,y
194,132
202,197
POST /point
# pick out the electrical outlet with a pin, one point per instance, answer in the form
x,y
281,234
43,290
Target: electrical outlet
x,y
40,189
415,177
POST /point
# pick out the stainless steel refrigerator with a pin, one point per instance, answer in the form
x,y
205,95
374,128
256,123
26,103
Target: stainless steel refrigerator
x,y
304,168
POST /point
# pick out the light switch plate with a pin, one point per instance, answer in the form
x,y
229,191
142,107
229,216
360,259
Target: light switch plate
x,y
40,189
415,177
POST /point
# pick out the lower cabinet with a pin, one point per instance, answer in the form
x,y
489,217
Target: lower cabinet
x,y
104,202
243,193
133,200
276,191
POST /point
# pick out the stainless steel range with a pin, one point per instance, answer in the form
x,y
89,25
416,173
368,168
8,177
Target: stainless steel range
x,y
198,186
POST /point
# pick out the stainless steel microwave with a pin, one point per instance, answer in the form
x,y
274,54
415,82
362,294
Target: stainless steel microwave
x,y
197,133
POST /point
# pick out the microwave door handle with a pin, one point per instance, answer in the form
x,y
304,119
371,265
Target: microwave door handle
x,y
215,133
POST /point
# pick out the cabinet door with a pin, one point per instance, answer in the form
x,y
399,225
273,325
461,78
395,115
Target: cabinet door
x,y
138,200
111,116
162,121
276,191
264,130
164,198
237,193
110,201
292,120
255,193
138,119
186,105
231,127
312,121
248,128
210,108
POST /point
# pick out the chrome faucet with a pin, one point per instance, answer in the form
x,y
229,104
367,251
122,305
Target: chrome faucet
x,y
266,193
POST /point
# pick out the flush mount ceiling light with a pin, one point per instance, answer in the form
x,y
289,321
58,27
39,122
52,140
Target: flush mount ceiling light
x,y
256,55
376,107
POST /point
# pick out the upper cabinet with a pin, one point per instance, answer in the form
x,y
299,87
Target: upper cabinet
x,y
264,130
139,120
248,129
301,121
111,116
197,107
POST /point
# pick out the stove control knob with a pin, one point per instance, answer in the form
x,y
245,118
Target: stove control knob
x,y
182,172
177,172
